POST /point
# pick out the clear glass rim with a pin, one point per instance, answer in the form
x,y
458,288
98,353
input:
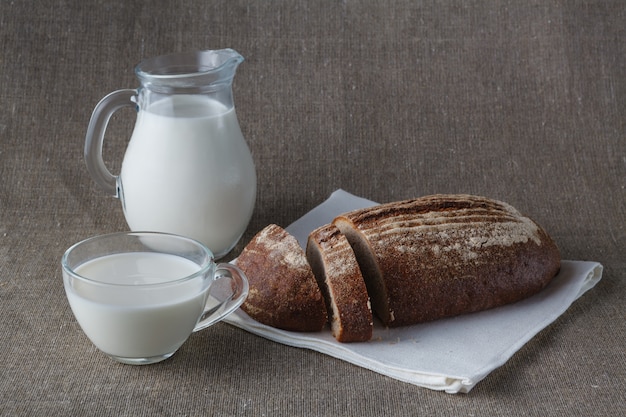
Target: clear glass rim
x,y
189,69
205,267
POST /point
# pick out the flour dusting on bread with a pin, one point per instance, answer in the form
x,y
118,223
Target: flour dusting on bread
x,y
408,262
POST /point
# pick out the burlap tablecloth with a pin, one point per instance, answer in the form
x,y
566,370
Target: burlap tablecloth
x,y
523,102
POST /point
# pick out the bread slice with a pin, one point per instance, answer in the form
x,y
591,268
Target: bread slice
x,y
444,255
339,277
283,290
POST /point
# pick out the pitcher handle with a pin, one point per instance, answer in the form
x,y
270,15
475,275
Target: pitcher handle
x,y
95,137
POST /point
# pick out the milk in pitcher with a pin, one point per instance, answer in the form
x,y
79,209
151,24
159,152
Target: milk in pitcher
x,y
187,170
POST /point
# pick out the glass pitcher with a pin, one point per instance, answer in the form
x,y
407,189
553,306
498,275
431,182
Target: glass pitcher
x,y
187,169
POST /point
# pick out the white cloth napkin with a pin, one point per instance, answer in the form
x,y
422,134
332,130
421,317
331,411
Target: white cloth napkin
x,y
450,355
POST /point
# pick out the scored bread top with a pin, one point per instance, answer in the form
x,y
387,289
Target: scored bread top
x,y
444,255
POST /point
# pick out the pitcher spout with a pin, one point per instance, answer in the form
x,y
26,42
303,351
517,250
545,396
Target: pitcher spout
x,y
199,72
223,58
224,63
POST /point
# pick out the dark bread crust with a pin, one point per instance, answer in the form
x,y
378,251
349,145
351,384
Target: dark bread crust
x,y
283,291
444,255
339,277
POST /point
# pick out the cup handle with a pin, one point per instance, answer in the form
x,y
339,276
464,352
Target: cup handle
x,y
95,136
229,299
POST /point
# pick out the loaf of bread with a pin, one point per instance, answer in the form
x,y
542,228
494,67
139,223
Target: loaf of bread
x,y
283,290
444,255
339,277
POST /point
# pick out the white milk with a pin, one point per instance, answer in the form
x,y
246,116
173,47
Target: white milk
x,y
131,322
191,174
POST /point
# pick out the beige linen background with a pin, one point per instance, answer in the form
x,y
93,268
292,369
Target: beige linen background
x,y
520,101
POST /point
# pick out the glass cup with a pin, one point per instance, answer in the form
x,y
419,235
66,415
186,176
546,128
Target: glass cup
x,y
138,296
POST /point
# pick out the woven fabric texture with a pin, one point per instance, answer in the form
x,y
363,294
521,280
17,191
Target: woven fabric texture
x,y
520,101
